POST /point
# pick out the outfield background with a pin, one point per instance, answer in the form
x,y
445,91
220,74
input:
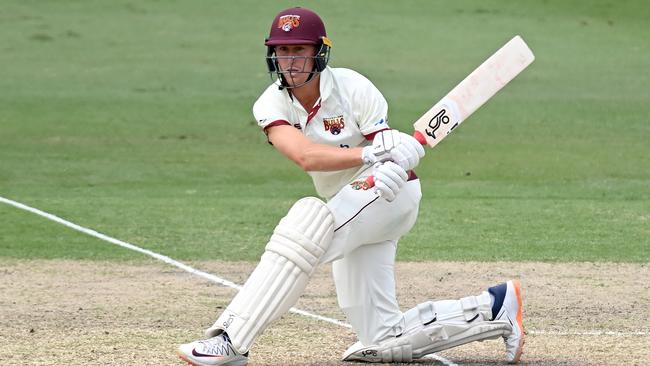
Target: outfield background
x,y
134,119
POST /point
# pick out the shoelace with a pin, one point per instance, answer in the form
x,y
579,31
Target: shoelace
x,y
216,346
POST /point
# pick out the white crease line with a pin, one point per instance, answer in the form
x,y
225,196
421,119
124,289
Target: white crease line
x,y
445,361
587,333
175,263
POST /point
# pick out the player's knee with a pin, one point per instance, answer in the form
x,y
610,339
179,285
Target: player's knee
x,y
304,234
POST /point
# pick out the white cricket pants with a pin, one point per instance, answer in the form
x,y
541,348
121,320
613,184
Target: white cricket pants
x,y
363,253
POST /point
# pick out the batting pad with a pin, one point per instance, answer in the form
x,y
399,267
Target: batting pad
x,y
289,260
432,327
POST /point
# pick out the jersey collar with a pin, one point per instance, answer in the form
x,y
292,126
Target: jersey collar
x,y
326,83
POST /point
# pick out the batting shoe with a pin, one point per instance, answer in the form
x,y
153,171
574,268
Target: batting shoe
x,y
508,305
215,351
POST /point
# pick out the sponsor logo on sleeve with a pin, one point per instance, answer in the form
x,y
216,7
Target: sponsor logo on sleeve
x,y
382,121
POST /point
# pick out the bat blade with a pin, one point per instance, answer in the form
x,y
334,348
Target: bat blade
x,y
471,93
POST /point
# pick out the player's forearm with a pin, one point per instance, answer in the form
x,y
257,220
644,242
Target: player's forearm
x,y
311,156
319,157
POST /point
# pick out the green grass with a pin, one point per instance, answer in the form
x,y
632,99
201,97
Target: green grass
x,y
134,119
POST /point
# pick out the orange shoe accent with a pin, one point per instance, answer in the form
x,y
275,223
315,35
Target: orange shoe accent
x,y
185,359
520,313
520,321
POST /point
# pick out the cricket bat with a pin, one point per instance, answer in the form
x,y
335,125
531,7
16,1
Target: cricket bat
x,y
476,89
468,96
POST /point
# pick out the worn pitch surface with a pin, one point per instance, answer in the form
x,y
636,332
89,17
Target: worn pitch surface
x,y
88,312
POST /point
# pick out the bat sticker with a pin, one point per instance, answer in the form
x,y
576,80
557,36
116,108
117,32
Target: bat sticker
x,y
440,118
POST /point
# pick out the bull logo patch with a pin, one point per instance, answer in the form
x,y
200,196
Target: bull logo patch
x,y
288,22
360,185
334,125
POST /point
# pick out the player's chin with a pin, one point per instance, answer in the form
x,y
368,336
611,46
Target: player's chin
x,y
296,79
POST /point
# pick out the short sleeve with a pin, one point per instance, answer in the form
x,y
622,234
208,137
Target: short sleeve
x,y
269,109
373,110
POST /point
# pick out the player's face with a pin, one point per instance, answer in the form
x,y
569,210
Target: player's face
x,y
296,62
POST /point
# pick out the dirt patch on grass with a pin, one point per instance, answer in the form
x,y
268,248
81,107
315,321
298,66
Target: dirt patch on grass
x,y
78,313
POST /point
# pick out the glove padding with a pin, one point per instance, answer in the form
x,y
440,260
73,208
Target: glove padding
x,y
389,179
392,145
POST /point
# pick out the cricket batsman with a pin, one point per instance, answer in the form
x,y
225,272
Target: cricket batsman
x,y
333,123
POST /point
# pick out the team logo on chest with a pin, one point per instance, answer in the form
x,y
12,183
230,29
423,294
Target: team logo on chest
x,y
334,124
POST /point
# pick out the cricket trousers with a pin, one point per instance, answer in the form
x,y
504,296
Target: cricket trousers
x,y
362,252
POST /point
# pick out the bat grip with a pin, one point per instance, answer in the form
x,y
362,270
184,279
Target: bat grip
x,y
370,181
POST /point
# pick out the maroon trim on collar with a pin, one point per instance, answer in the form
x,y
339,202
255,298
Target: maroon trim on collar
x,y
371,135
313,112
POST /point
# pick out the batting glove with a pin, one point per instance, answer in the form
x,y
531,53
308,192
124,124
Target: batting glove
x,y
389,179
395,146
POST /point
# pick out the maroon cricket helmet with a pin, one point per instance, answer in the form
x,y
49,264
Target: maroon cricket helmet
x,y
296,26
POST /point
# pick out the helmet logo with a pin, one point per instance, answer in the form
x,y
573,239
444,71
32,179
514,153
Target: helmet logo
x,y
288,22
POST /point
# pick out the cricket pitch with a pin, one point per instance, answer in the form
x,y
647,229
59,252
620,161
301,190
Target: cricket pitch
x,y
86,312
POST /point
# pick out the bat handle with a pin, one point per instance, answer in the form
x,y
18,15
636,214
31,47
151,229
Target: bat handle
x,y
370,181
420,137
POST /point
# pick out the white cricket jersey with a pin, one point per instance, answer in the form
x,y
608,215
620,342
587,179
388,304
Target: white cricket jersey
x,y
350,110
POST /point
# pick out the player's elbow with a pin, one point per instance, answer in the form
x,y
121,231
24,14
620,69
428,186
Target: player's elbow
x,y
305,163
309,159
